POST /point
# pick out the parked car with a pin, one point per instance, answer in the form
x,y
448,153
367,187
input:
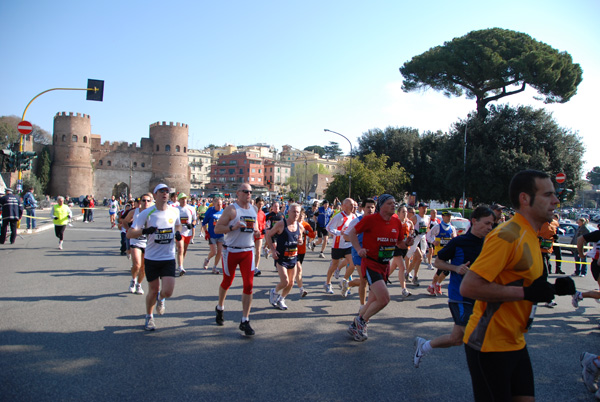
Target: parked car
x,y
566,234
462,225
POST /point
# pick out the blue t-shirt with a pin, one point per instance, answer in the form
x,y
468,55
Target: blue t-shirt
x,y
211,217
323,217
461,249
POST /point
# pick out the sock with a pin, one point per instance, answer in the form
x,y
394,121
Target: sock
x,y
427,347
149,315
220,308
244,319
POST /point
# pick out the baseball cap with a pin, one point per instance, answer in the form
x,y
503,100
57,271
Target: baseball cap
x,y
181,195
8,190
422,204
446,213
160,187
497,207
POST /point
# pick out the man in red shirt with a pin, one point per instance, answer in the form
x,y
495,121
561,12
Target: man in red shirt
x,y
381,233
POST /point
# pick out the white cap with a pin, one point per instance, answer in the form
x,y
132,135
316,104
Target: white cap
x,y
159,187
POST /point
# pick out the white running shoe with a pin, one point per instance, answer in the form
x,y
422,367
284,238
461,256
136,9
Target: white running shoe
x,y
321,255
419,342
160,305
590,372
281,304
205,265
406,293
149,326
336,274
577,297
303,292
216,271
345,288
328,288
132,286
138,289
272,297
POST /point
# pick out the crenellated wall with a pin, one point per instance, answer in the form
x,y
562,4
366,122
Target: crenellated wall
x,y
169,156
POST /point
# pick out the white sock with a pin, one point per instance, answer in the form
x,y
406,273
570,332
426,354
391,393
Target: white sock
x,y
427,347
244,319
220,308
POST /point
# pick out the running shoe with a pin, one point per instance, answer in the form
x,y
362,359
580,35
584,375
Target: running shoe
x,y
353,331
345,288
205,265
160,305
419,342
149,326
321,255
245,326
216,271
281,304
361,328
406,293
219,318
328,288
590,372
551,304
429,266
273,297
266,254
336,274
577,297
312,246
181,271
431,290
132,286
415,281
138,289
60,243
303,292
406,276
257,272
438,289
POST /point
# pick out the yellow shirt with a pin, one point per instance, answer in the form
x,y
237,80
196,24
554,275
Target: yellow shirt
x,y
510,256
62,213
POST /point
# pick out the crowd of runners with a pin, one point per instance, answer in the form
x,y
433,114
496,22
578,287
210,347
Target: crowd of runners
x,y
498,271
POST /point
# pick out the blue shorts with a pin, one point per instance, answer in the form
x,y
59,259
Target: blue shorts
x,y
460,312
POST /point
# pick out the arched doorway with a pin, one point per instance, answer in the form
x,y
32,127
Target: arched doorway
x,y
121,190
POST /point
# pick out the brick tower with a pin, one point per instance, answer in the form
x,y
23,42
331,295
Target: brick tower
x,y
169,156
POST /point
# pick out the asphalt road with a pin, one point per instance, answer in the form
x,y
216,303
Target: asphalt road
x,y
69,330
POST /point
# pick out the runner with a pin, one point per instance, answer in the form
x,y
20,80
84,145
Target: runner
x,y
161,224
308,236
61,214
433,220
238,223
215,241
505,281
440,235
341,250
124,240
400,253
285,253
382,232
456,256
137,246
258,241
418,249
113,207
323,215
187,216
275,215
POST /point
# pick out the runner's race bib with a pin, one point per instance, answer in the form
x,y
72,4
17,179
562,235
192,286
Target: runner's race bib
x,y
386,253
163,236
248,221
422,228
546,244
291,252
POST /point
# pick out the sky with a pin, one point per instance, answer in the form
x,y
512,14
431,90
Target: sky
x,y
278,72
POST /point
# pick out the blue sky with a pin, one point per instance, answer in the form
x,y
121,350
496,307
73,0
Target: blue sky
x,y
268,71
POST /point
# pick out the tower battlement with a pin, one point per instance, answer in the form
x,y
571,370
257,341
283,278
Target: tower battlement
x,y
85,116
164,123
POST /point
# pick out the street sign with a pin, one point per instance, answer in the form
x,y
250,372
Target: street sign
x,y
25,127
561,177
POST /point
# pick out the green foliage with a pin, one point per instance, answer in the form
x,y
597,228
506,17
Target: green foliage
x,y
370,177
32,181
593,176
316,149
9,133
43,169
490,64
333,150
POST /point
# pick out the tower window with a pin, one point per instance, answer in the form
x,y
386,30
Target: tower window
x,y
167,148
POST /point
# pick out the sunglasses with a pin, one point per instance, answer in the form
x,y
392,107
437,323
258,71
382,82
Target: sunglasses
x,y
145,200
163,190
246,191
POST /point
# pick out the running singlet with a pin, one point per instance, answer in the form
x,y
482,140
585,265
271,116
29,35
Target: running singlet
x,y
510,256
422,225
187,214
287,246
113,206
443,233
160,245
62,213
458,251
336,226
139,242
243,238
211,217
379,239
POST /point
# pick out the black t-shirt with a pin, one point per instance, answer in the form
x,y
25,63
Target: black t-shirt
x,y
592,237
272,218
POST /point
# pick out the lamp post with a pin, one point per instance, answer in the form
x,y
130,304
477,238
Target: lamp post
x,y
465,164
350,170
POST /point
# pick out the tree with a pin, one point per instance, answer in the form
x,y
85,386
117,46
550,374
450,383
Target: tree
x,y
401,144
301,179
370,177
42,169
593,176
333,150
493,63
9,133
509,140
316,149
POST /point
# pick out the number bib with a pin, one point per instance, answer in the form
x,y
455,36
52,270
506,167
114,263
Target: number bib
x,y
386,253
291,252
163,236
422,228
249,222
546,244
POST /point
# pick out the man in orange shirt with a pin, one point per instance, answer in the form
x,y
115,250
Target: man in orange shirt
x,y
548,235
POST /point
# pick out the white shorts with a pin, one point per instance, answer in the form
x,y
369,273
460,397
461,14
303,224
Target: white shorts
x,y
419,242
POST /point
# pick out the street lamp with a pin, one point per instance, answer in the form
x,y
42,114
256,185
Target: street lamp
x,y
350,172
465,164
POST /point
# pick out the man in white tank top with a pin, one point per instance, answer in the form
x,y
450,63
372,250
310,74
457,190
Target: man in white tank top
x,y
238,224
419,247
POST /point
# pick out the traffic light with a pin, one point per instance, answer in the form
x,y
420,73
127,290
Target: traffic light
x,y
563,193
95,90
11,160
25,160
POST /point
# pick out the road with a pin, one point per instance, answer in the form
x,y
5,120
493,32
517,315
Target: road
x,y
70,331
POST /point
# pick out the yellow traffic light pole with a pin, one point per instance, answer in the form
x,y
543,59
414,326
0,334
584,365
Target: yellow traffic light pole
x,y
20,173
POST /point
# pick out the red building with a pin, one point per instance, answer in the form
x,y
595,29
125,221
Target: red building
x,y
237,168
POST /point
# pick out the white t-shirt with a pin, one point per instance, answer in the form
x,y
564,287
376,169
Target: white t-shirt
x,y
187,214
113,206
160,245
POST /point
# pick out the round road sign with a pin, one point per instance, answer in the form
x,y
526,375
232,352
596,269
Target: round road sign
x,y
25,127
561,177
